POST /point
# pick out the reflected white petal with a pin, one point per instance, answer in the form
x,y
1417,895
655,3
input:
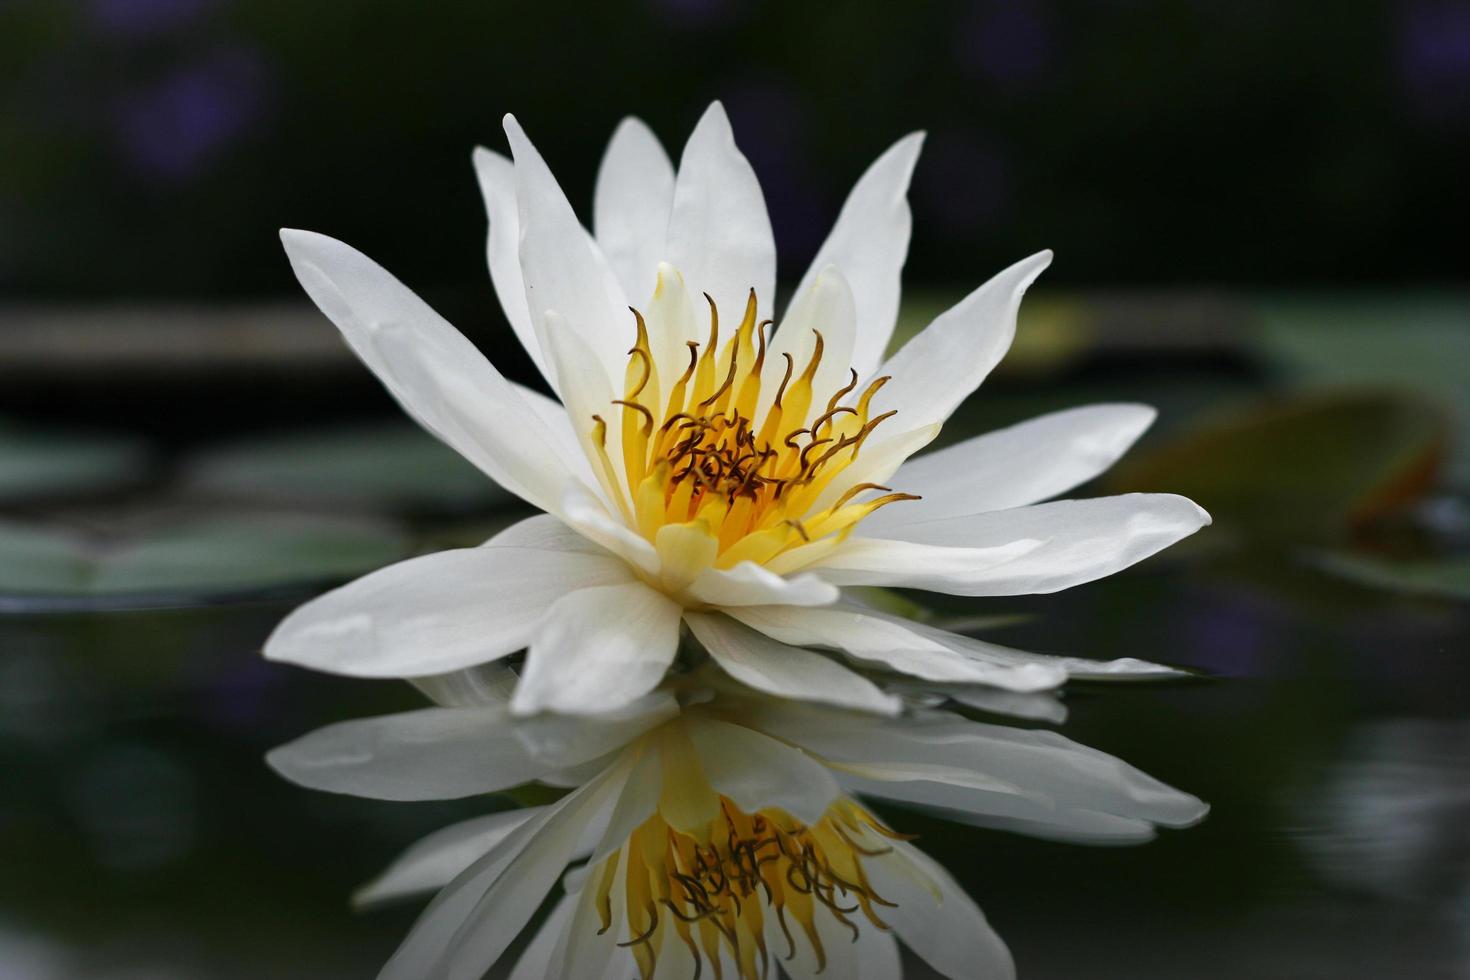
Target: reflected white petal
x,y
439,858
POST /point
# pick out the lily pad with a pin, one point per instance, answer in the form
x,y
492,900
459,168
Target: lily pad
x,y
202,559
1443,577
1420,342
1304,468
36,465
389,466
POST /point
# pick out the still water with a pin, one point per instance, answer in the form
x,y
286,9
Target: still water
x,y
143,835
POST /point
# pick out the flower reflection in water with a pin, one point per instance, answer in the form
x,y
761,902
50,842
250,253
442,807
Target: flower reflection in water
x,y
712,829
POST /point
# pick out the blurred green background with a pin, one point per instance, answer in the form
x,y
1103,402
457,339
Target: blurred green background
x,y
1257,209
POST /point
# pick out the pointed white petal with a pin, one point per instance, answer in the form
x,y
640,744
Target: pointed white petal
x,y
825,306
994,654
564,269
473,687
535,961
940,367
1013,467
597,649
436,613
631,205
749,584
469,924
890,641
719,233
869,244
1058,545
589,516
782,670
437,375
559,424
436,860
497,177
935,918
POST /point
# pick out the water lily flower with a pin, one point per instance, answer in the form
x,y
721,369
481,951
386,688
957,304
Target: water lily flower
x,y
710,824
700,467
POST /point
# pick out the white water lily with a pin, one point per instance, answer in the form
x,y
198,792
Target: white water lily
x,y
700,467
714,825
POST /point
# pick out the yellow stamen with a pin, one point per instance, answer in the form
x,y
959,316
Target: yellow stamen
x,y
700,448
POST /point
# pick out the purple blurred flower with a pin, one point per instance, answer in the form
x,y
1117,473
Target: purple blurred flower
x,y
174,128
1434,58
144,18
1010,43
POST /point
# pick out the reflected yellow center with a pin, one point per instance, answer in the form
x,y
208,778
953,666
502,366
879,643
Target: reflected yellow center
x,y
716,886
700,453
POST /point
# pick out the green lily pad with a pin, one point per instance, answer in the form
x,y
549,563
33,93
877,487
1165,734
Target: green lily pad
x,y
36,465
1304,468
203,558
394,466
1444,577
1420,342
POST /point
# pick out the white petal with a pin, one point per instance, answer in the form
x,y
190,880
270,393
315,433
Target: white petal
x,y
588,395
564,269
497,177
535,961
431,863
564,741
888,640
1053,772
757,771
471,922
824,306
437,375
589,516
869,244
1013,467
719,233
1075,668
939,368
947,930
430,754
631,205
436,613
1059,545
473,687
785,671
598,649
1031,707
567,446
749,584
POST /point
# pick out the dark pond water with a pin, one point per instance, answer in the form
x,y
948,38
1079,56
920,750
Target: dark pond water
x,y
143,836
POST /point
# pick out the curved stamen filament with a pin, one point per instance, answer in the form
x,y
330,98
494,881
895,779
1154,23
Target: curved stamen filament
x,y
702,448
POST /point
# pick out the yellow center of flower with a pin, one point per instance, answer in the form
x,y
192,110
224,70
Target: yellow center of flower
x,y
716,887
748,480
